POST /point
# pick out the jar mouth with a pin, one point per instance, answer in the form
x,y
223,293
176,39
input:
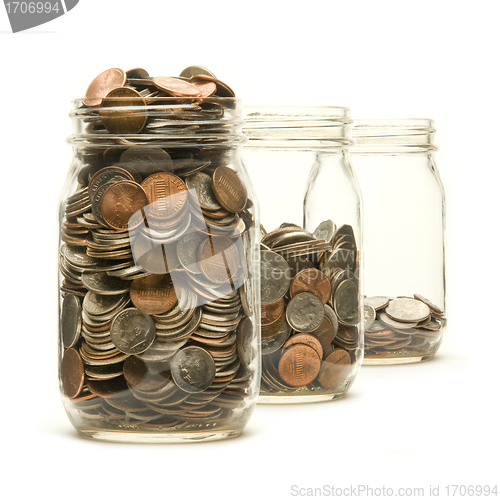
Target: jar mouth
x,y
301,127
393,135
158,121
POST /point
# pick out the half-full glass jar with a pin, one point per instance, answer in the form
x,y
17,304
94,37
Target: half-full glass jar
x,y
311,242
158,303
404,239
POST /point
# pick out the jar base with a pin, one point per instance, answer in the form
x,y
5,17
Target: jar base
x,y
158,438
297,399
404,360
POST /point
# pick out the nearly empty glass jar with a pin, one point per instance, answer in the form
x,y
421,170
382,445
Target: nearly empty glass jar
x,y
404,239
311,321
159,237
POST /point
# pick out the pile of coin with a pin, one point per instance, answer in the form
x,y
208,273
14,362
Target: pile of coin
x,y
309,309
156,322
403,326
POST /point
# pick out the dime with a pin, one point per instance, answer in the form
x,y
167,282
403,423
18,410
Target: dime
x,y
103,284
299,365
345,302
71,320
132,331
219,259
244,341
193,369
325,231
102,85
229,190
122,205
334,369
369,317
407,310
275,276
433,307
187,251
305,312
376,302
153,294
314,281
386,319
201,183
126,120
72,373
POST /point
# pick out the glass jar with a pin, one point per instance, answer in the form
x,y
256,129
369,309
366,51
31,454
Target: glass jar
x,y
158,303
404,239
311,241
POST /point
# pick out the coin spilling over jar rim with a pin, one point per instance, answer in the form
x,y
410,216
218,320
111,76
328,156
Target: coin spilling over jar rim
x,y
158,329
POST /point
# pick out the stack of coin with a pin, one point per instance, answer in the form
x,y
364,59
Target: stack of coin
x,y
156,325
310,310
401,327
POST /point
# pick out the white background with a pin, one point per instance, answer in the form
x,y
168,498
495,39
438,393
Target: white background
x,y
412,426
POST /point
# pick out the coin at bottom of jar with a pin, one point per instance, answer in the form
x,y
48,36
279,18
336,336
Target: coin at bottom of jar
x,y
72,373
299,365
334,369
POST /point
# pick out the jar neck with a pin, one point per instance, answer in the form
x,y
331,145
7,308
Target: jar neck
x,y
167,122
304,128
393,136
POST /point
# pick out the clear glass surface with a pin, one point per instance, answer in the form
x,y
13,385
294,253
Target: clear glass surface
x,y
404,238
159,282
311,243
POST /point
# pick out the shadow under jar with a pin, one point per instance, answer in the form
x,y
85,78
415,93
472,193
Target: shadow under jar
x,y
159,230
311,325
404,239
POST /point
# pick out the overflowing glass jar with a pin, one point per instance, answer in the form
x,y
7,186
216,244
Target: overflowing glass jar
x,y
159,231
404,239
311,321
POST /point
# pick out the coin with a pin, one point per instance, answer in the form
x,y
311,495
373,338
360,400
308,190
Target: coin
x,y
102,85
201,183
299,365
275,276
345,302
270,313
176,87
132,331
305,312
229,190
72,373
71,320
193,369
219,259
369,317
153,294
166,194
105,176
314,281
407,310
325,231
376,302
244,342
125,119
143,375
122,205
191,71
146,160
104,284
306,339
334,369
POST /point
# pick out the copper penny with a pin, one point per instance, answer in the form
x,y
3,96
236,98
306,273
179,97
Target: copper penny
x,y
307,339
103,84
122,204
125,119
205,87
72,373
153,294
223,90
229,190
299,365
273,328
166,194
334,369
270,313
325,333
219,259
143,375
314,281
176,87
